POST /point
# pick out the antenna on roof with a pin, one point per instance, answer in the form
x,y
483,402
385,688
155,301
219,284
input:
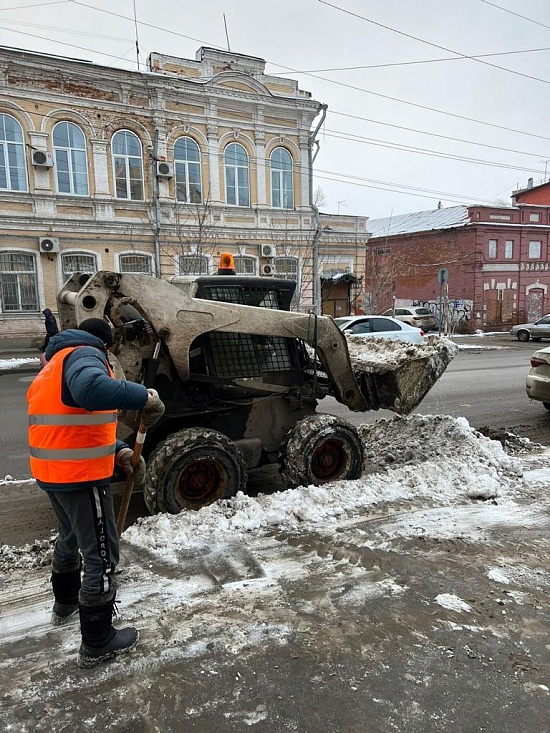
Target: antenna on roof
x,y
226,33
137,39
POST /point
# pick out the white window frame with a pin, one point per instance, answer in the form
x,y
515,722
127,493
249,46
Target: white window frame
x,y
72,158
31,273
65,275
285,275
508,249
181,171
142,255
492,249
246,259
278,177
534,217
535,248
237,169
125,158
190,256
17,150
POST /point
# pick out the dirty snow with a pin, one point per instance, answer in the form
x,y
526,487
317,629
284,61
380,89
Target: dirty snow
x,y
19,362
210,589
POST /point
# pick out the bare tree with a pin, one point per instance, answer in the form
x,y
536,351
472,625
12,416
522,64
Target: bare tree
x,y
194,239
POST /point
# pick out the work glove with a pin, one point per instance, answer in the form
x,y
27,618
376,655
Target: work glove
x,y
153,409
124,459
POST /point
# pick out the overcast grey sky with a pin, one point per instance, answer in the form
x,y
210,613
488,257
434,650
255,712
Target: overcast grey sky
x,y
498,119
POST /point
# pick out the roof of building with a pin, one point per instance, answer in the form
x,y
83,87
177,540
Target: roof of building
x,y
419,221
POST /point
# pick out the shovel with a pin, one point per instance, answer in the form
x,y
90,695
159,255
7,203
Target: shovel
x,y
138,446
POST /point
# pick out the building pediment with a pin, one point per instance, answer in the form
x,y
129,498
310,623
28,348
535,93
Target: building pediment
x,y
239,82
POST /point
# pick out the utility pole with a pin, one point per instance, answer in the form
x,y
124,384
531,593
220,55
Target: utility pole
x,y
311,158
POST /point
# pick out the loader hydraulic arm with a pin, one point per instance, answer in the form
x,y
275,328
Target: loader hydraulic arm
x,y
180,319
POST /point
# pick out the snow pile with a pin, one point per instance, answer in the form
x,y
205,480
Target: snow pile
x,y
36,555
439,460
418,438
19,362
375,353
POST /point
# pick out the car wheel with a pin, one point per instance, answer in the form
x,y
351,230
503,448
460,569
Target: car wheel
x,y
546,405
523,336
191,469
320,449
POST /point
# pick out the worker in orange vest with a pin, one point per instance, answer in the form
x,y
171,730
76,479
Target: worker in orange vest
x,y
72,409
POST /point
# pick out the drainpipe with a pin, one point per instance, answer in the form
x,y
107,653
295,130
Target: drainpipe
x,y
311,158
156,202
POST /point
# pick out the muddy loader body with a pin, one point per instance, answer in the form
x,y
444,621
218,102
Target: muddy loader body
x,y
240,376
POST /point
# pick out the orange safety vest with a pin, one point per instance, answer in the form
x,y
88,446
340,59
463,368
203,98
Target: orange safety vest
x,y
67,444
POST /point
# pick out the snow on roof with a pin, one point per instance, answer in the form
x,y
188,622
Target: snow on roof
x,y
419,221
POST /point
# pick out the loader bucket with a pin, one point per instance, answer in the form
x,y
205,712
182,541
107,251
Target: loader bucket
x,y
394,375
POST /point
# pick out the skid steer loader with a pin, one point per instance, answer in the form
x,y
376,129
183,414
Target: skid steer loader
x,y
240,376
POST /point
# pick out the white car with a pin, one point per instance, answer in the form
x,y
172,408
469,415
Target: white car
x,y
380,327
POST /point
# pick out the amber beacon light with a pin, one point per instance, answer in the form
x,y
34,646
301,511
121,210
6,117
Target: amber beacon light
x,y
227,264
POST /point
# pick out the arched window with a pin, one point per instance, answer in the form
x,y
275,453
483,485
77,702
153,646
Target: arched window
x,y
134,264
128,165
71,166
18,282
13,172
282,194
187,163
245,265
289,269
237,191
193,264
77,262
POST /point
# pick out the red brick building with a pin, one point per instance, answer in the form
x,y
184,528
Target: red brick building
x,y
497,258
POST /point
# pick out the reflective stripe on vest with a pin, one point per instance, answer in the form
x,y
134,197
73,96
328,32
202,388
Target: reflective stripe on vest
x,y
67,444
92,418
72,454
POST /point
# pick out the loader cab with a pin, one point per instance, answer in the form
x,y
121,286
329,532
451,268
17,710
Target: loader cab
x,y
262,292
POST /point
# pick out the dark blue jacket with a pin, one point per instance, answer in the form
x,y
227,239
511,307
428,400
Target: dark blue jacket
x,y
88,384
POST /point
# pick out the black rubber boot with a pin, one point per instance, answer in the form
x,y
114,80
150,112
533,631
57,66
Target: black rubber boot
x,y
100,640
65,590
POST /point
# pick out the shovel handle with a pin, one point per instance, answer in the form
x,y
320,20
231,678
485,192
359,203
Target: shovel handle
x,y
129,485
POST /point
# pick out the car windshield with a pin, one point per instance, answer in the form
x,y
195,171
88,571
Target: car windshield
x,y
423,311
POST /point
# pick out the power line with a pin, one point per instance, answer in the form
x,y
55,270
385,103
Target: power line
x,y
429,43
322,78
523,17
424,61
432,134
424,151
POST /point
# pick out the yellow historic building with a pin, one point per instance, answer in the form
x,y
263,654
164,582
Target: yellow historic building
x,y
158,172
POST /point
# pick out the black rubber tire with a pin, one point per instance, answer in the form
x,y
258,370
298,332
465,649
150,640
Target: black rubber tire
x,y
546,405
523,336
320,449
191,469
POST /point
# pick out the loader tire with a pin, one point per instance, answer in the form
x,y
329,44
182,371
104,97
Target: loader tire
x,y
191,469
319,449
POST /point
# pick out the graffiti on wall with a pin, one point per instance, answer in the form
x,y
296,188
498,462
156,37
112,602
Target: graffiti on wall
x,y
457,316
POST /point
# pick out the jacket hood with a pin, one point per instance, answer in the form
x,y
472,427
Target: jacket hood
x,y
72,337
47,312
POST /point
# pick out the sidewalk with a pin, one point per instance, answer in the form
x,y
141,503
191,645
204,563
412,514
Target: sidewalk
x,y
24,361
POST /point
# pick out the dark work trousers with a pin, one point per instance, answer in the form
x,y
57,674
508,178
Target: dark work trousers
x,y
86,522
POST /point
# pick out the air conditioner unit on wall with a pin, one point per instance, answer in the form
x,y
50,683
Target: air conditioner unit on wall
x,y
47,245
268,269
268,250
164,170
42,159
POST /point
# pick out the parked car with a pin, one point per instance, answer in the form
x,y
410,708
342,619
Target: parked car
x,y
537,384
537,330
381,327
415,316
